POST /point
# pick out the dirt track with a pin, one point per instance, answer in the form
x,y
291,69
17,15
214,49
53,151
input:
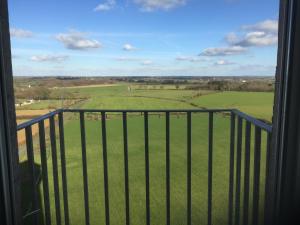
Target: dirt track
x,y
93,85
25,115
30,114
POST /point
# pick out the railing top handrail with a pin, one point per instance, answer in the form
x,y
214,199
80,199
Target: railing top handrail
x,y
38,119
261,124
256,122
146,110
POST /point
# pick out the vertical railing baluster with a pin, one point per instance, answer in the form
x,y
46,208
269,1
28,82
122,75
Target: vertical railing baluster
x,y
189,168
105,169
84,169
30,156
167,168
247,173
55,170
257,155
238,170
231,168
45,181
147,168
210,168
127,209
63,166
235,171
269,190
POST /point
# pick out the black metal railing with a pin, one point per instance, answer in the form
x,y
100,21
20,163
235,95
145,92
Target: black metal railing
x,y
239,170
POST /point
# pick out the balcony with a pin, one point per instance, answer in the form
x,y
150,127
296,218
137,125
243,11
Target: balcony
x,y
145,167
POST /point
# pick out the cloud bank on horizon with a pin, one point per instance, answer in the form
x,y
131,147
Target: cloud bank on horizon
x,y
145,37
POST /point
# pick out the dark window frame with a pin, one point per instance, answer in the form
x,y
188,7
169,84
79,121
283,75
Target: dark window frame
x,y
9,180
285,169
285,158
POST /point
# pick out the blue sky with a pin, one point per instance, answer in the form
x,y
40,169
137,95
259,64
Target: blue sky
x,y
144,37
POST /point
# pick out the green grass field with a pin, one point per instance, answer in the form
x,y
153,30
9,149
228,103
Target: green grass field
x,y
118,97
157,170
48,104
257,104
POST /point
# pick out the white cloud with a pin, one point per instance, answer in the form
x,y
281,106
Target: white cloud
x,y
258,38
224,51
268,26
124,58
77,41
191,58
152,5
106,6
183,58
49,58
141,61
128,47
260,34
20,33
223,63
147,62
231,38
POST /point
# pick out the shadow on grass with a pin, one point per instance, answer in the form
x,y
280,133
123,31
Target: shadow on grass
x,y
30,213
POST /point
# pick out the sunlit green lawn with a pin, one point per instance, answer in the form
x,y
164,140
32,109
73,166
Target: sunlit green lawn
x,y
157,170
258,104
